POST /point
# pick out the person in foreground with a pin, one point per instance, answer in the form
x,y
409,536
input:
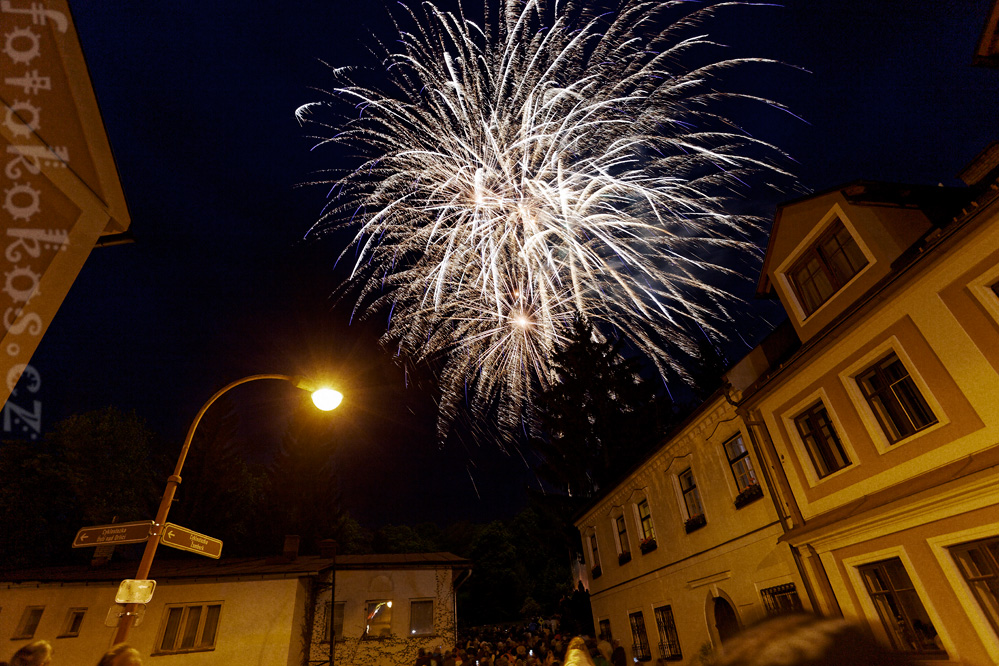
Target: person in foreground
x,y
806,640
121,655
38,653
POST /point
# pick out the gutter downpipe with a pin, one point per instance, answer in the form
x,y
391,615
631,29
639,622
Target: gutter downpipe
x,y
768,455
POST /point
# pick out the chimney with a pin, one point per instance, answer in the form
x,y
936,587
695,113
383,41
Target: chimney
x,y
327,549
290,551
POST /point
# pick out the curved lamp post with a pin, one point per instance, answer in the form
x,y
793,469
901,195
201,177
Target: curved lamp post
x,y
325,399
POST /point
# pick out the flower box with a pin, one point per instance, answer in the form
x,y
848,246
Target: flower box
x,y
595,572
624,557
647,545
750,494
695,523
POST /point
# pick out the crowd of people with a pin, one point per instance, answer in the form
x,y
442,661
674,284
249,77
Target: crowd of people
x,y
39,653
537,643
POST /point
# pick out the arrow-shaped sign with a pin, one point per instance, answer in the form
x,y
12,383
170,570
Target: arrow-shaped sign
x,y
135,532
182,538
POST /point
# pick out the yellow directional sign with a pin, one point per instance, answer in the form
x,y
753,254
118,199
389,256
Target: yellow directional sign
x,y
182,538
135,532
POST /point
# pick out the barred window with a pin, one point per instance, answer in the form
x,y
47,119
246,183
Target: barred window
x,y
669,642
640,641
781,599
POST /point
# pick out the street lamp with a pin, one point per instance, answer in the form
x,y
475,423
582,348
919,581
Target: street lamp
x,y
325,399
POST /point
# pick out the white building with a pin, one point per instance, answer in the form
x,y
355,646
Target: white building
x,y
264,611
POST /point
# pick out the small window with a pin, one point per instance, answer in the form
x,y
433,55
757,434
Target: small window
x,y
190,628
669,641
74,619
29,622
640,641
605,629
740,462
622,535
645,521
826,267
902,614
821,440
894,398
979,564
691,496
378,619
781,599
337,610
594,557
421,618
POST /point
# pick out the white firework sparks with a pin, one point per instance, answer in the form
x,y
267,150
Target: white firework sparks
x,y
541,164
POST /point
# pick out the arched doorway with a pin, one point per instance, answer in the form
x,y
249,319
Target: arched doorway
x,y
726,621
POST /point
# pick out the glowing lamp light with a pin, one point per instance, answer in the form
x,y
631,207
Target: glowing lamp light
x,y
327,399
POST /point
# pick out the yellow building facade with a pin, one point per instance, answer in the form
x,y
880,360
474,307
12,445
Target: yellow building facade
x,y
870,421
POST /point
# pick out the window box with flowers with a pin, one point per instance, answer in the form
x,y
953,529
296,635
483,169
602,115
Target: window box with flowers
x,y
624,558
595,572
647,545
750,493
695,523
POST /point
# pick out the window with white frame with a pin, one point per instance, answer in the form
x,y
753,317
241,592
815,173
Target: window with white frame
x,y
740,463
825,267
621,527
691,495
378,618
894,398
645,523
594,556
821,441
978,562
189,627
421,617
74,620
28,625
902,614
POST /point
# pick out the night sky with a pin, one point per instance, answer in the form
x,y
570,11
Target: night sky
x,y
198,99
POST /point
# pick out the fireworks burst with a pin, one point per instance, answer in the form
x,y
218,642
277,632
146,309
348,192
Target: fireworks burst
x,y
539,164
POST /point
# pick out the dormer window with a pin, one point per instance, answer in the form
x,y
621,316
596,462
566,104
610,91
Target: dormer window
x,y
826,267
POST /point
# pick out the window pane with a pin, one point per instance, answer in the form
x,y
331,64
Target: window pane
x,y
640,640
191,628
669,642
172,627
211,625
338,618
895,399
29,623
421,618
979,565
820,440
901,611
75,621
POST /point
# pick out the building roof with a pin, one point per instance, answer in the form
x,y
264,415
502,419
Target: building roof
x,y
266,567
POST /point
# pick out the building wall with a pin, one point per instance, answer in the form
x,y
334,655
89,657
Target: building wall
x,y
260,622
354,588
732,557
914,498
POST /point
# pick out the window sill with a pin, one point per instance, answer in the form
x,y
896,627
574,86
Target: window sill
x,y
748,496
160,653
695,523
624,558
648,546
595,572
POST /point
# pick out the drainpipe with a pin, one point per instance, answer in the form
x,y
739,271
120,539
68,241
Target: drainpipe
x,y
767,454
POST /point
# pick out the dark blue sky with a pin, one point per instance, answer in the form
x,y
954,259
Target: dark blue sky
x,y
198,99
